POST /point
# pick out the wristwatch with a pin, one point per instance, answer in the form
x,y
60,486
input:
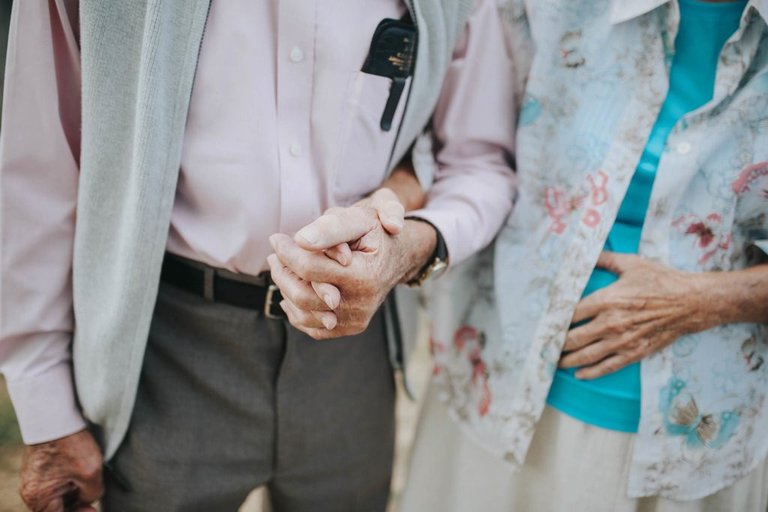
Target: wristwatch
x,y
437,263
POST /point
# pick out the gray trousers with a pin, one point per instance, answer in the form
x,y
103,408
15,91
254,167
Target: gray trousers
x,y
229,401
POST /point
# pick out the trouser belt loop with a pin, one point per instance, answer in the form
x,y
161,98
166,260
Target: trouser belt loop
x,y
208,275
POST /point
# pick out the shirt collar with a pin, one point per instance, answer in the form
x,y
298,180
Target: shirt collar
x,y
624,10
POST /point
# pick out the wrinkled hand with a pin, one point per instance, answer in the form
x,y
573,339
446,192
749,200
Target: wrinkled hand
x,y
648,308
327,235
62,475
376,262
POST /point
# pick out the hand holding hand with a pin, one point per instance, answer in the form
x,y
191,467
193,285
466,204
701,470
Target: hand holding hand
x,y
62,475
377,261
648,308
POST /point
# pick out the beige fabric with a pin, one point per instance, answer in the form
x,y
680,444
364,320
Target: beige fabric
x,y
571,466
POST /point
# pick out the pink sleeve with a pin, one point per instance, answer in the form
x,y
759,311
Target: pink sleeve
x,y
39,149
474,131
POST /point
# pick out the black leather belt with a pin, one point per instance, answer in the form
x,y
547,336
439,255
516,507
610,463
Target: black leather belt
x,y
250,292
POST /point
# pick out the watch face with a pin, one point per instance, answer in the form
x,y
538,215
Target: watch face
x,y
434,271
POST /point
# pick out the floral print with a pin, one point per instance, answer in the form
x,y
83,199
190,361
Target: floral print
x,y
592,78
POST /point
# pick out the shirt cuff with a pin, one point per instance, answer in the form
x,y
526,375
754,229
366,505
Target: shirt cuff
x,y
45,405
762,245
446,224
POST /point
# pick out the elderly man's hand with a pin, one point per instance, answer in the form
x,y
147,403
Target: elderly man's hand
x,y
648,308
359,281
62,475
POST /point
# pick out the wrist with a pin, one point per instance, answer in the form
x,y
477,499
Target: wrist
x,y
707,306
407,188
419,240
735,296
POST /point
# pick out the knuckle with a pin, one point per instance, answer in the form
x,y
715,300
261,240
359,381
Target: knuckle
x,y
395,208
92,471
615,326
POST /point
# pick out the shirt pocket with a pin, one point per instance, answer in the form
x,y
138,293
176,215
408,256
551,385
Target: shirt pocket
x,y
364,147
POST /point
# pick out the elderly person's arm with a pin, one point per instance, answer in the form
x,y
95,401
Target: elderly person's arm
x,y
39,151
651,306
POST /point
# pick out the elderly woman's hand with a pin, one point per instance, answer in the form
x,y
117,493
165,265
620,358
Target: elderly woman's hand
x,y
649,307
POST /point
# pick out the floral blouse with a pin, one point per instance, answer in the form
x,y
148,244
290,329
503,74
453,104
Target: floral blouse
x,y
592,77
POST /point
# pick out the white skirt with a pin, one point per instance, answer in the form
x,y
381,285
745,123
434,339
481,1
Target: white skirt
x,y
571,466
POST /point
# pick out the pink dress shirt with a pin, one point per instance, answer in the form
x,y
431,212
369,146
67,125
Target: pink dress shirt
x,y
282,125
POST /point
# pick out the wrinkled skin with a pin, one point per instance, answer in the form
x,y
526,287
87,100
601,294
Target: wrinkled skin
x,y
62,475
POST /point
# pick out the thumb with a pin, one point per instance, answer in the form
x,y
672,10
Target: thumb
x,y
613,262
390,210
337,227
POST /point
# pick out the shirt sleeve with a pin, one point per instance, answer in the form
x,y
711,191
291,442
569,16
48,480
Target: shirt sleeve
x,y
39,148
474,130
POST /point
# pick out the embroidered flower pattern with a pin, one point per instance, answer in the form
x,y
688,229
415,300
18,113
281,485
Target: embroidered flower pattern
x,y
705,233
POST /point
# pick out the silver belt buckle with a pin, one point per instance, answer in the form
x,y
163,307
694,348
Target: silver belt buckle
x,y
268,303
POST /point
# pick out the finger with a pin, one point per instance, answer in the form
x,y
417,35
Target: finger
x,y
338,227
329,293
293,288
606,366
390,210
307,265
590,354
54,505
300,318
583,335
341,253
590,306
316,333
92,488
328,319
616,263
608,325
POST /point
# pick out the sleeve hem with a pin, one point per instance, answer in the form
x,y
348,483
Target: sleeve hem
x,y
46,406
455,255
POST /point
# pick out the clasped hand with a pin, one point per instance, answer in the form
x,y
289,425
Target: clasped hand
x,y
336,272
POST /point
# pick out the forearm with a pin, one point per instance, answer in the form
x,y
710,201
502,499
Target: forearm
x,y
737,296
406,186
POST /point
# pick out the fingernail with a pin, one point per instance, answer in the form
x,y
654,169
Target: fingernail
x,y
329,301
310,234
329,323
342,259
272,240
397,221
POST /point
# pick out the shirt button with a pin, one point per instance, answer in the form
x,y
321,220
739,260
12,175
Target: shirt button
x,y
684,148
297,55
295,149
